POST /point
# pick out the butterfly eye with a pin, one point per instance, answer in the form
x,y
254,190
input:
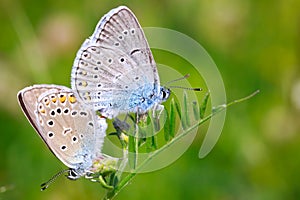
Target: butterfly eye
x,y
165,93
73,175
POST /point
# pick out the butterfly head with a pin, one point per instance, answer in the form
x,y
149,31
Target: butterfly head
x,y
164,94
73,174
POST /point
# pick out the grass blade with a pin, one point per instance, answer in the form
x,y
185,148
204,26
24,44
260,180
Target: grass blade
x,y
132,156
204,105
196,111
186,109
183,124
167,127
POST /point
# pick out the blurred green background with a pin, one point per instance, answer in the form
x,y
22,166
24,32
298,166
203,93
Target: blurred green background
x,y
255,44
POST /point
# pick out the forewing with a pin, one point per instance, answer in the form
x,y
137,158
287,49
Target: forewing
x,y
115,61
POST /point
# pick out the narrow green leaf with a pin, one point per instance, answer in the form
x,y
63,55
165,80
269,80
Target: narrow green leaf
x,y
196,111
148,144
183,124
142,138
148,131
113,180
204,105
177,109
154,142
172,119
132,152
151,144
167,127
186,109
151,138
133,146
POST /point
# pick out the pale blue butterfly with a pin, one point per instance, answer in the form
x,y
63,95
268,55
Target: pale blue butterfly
x,y
74,134
114,70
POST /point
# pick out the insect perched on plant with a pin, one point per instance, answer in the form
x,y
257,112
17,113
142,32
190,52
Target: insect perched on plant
x,y
114,71
73,133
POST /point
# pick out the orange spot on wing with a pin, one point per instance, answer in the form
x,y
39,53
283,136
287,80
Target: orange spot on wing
x,y
62,99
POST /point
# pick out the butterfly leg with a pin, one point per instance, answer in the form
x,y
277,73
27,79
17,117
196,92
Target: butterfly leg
x,y
156,116
136,138
157,107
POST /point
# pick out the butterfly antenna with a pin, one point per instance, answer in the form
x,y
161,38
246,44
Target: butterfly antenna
x,y
45,185
178,79
185,88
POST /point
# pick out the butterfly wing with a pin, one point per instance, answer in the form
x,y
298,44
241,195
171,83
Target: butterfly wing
x,y
67,129
114,64
27,99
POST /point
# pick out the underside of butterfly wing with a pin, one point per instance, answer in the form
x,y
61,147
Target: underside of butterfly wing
x,y
75,135
114,70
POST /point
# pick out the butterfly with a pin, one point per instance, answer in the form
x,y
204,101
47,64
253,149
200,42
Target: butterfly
x,y
114,70
73,133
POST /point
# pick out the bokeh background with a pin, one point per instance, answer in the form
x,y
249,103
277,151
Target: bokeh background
x,y
255,45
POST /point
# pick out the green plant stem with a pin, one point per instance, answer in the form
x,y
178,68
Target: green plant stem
x,y
130,176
